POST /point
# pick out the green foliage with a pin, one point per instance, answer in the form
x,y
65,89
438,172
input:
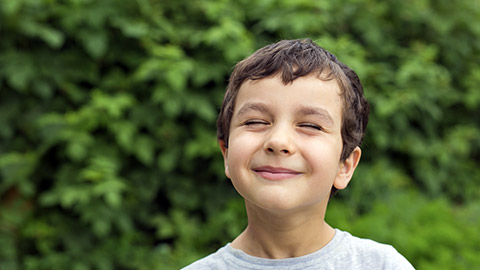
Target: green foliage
x,y
108,155
431,233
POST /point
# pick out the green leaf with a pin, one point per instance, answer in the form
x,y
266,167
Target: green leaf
x,y
16,169
144,149
95,43
52,37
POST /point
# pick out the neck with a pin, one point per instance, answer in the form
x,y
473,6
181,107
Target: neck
x,y
283,235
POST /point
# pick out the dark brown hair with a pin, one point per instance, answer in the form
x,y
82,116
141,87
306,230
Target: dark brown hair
x,y
293,59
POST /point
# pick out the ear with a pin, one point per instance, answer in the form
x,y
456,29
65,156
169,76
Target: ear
x,y
224,149
347,167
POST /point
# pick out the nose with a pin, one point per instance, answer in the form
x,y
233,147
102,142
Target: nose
x,y
280,141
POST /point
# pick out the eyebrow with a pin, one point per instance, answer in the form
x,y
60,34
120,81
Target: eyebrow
x,y
315,111
253,106
302,110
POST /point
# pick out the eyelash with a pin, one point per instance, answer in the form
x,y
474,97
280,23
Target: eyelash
x,y
309,125
254,122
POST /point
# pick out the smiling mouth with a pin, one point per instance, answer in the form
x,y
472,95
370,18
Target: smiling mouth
x,y
275,173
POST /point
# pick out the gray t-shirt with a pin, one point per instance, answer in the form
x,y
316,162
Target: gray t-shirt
x,y
344,251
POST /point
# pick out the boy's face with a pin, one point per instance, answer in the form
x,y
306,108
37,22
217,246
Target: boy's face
x,y
285,144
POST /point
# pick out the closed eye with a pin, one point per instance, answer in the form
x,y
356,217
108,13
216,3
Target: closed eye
x,y
255,122
310,125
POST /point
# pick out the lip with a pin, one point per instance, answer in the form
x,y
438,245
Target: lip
x,y
275,173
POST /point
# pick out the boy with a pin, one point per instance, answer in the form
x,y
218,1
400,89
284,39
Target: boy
x,y
290,127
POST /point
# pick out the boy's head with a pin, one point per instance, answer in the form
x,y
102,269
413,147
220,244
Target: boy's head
x,y
292,59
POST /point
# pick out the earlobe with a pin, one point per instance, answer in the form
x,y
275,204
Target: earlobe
x,y
224,149
347,168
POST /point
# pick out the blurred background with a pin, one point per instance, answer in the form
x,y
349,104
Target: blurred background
x,y
108,153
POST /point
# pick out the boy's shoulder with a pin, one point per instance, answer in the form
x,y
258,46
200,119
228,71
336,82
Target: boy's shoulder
x,y
344,251
217,260
361,253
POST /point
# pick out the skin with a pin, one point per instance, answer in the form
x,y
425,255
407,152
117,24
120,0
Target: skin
x,y
283,158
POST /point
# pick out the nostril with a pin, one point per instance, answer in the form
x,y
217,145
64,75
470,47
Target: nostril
x,y
270,149
285,151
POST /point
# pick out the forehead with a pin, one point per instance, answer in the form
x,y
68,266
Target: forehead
x,y
302,87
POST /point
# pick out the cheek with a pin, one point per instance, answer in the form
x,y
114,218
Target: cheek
x,y
243,144
322,157
240,153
